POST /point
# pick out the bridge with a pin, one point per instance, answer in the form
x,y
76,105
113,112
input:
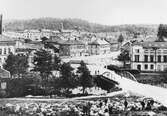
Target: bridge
x,y
128,83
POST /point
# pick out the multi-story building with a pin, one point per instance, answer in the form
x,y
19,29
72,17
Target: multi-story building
x,y
7,46
72,48
34,35
149,56
98,47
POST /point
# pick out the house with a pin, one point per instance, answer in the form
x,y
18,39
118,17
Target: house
x,y
72,48
28,49
98,47
149,56
7,45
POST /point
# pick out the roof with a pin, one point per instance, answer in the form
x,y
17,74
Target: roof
x,y
7,40
152,44
55,39
73,42
4,38
4,73
32,46
99,42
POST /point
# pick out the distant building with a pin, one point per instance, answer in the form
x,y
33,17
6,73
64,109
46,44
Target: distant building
x,y
72,48
34,35
98,47
7,46
28,49
149,56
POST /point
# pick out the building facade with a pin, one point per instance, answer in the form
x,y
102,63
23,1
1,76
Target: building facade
x,y
149,56
99,47
72,48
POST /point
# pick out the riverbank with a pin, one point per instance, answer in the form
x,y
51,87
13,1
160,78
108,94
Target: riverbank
x,y
92,105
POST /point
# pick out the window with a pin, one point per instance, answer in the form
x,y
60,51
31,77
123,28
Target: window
x,y
152,66
165,58
145,51
137,50
159,58
0,51
9,50
165,67
136,58
139,67
4,50
151,58
145,58
146,66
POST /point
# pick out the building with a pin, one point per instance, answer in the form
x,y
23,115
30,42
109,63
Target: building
x,y
72,48
99,47
34,35
149,56
7,45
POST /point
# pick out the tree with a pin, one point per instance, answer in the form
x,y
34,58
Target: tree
x,y
16,65
67,79
43,64
124,56
162,32
85,78
43,39
56,63
120,39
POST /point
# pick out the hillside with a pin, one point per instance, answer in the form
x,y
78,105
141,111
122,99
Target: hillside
x,y
55,24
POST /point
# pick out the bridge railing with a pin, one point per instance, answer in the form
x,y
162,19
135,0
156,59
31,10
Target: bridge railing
x,y
127,75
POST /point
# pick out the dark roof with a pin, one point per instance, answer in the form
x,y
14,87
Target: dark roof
x,y
73,42
152,44
55,39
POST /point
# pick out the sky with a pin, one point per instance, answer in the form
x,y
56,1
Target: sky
x,y
108,12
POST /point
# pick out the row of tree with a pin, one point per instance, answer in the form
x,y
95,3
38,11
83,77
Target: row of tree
x,y
45,64
78,24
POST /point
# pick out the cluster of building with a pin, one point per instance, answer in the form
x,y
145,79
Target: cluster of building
x,y
65,43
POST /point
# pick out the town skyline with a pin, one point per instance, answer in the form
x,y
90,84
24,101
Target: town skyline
x,y
106,12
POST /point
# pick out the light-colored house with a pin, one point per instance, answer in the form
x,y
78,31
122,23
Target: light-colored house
x,y
7,45
98,47
72,48
149,56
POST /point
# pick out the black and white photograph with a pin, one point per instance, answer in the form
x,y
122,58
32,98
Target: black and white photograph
x,y
83,57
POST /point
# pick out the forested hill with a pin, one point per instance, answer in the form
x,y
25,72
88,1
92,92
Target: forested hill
x,y
55,24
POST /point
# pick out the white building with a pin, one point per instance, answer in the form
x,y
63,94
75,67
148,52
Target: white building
x,y
7,46
99,47
34,35
149,56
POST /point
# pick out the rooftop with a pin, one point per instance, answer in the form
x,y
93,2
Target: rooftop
x,y
73,42
6,39
4,73
99,42
152,44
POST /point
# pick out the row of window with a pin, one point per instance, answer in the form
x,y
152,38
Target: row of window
x,y
146,66
5,51
152,59
151,51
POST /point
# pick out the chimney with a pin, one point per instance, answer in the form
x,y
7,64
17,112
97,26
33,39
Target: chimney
x,y
1,24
